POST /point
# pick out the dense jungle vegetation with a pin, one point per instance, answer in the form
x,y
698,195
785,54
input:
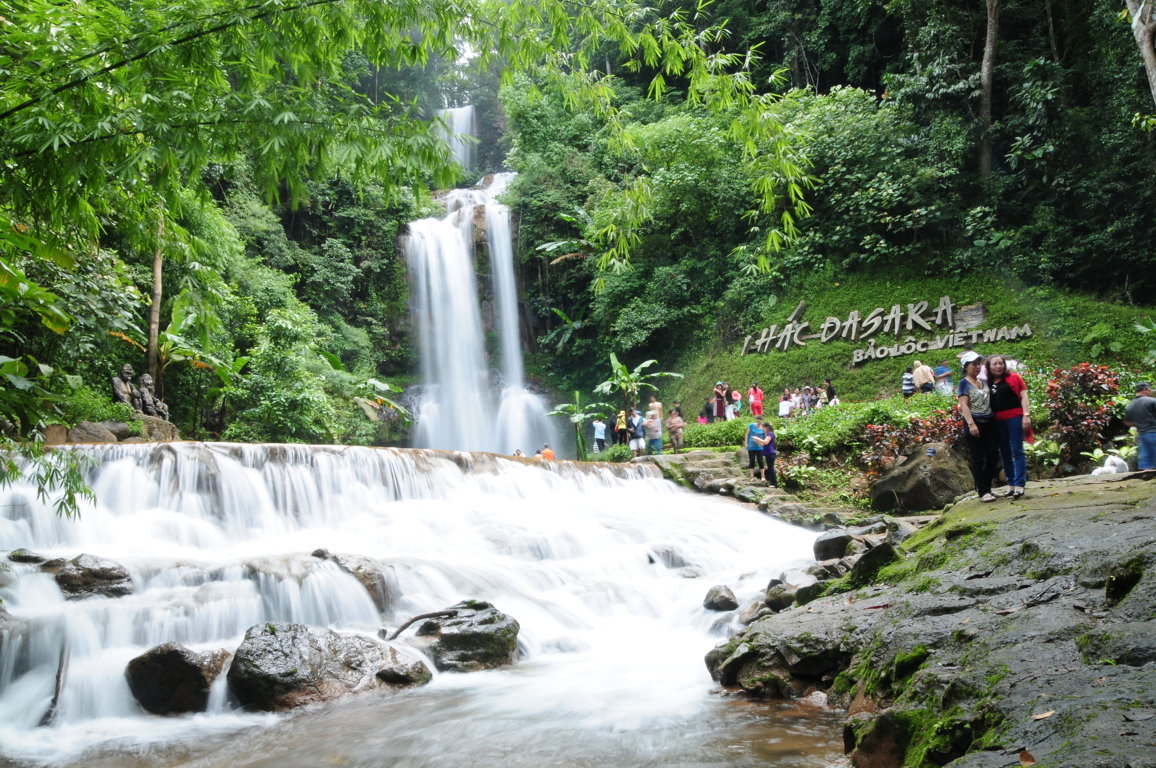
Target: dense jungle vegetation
x,y
215,193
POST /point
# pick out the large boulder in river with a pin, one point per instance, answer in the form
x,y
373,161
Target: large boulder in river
x,y
930,479
87,575
472,636
281,666
171,679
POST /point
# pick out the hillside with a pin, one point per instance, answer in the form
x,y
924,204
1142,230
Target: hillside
x,y
1065,328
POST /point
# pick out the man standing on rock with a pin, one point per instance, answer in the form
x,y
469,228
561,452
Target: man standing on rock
x,y
1141,414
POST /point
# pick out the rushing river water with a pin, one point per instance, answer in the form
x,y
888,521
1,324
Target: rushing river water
x,y
218,538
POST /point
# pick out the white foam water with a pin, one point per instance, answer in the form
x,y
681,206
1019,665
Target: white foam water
x,y
217,538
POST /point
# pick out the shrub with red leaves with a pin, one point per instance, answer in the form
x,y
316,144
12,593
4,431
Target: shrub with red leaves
x,y
1079,400
887,442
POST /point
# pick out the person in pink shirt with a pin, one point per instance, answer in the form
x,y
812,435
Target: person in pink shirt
x,y
755,398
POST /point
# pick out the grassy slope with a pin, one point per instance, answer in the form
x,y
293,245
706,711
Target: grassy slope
x,y
1060,323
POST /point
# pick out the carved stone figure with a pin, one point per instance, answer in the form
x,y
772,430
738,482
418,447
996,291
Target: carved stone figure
x,y
150,404
122,389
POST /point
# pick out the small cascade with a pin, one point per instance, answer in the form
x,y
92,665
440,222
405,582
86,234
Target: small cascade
x,y
592,560
461,127
460,407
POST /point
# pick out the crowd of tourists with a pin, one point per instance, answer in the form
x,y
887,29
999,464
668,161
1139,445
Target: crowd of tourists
x,y
726,402
993,401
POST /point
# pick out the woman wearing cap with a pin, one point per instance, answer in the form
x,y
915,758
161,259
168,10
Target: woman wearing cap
x,y
981,435
1012,411
720,402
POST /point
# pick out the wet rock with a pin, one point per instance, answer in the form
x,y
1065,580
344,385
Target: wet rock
x,y
171,679
869,529
379,579
898,532
876,741
808,593
669,556
1004,633
475,636
872,560
24,556
827,569
1131,643
753,611
832,544
90,432
923,482
87,575
720,598
1121,581
281,666
780,597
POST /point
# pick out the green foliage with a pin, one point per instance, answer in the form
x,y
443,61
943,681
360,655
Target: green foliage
x,y
1044,456
715,435
60,472
618,452
890,190
86,404
281,398
578,412
630,383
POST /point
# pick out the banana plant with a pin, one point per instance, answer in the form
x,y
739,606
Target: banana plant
x,y
578,412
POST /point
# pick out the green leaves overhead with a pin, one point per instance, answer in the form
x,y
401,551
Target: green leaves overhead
x,y
103,103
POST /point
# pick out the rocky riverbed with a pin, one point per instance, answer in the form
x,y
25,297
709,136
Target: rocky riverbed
x,y
1019,633
1015,633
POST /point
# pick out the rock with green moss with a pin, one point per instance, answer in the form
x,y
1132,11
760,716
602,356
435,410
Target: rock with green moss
x,y
473,636
1000,627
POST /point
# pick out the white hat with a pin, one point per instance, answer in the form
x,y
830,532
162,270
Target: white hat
x,y
970,356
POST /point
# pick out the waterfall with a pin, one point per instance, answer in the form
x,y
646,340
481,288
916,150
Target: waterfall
x,y
459,407
218,537
460,127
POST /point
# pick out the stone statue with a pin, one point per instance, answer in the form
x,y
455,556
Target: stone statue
x,y
151,405
122,389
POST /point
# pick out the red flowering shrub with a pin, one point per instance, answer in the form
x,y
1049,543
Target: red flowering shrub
x,y
887,442
1080,401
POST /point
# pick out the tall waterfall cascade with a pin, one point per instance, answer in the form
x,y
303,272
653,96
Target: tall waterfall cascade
x,y
460,406
460,127
218,538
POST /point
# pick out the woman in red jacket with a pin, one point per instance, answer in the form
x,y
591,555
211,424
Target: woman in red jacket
x,y
1012,411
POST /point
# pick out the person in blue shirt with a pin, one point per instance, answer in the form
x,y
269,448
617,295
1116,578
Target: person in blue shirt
x,y
755,435
944,381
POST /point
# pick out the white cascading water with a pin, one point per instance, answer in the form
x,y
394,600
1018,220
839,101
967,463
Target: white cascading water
x,y
460,127
217,538
458,407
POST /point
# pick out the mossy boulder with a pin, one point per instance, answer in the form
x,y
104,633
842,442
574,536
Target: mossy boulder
x,y
474,635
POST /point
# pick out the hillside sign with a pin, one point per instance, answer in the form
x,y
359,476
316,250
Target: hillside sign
x,y
950,325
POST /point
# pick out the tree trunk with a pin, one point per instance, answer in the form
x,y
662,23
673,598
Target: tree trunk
x,y
986,82
155,310
1144,30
